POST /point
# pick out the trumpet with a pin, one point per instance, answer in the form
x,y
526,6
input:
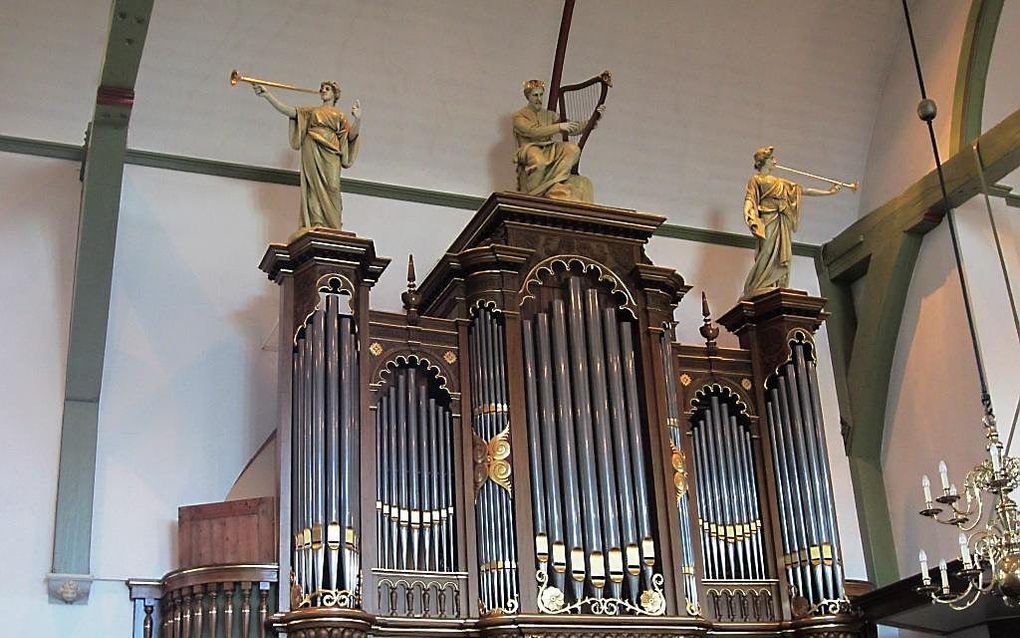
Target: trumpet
x,y
235,77
852,185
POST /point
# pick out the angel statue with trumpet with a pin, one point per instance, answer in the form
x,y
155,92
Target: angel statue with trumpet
x,y
328,141
772,212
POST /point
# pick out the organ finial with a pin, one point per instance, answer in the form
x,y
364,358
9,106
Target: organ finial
x,y
707,330
411,296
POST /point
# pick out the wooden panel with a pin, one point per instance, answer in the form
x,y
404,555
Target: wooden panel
x,y
229,532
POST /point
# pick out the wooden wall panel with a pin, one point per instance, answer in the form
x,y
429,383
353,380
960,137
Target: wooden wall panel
x,y
237,532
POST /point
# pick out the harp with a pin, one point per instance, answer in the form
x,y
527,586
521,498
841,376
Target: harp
x,y
579,102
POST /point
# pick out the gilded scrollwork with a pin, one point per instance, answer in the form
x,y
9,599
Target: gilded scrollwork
x,y
492,461
551,600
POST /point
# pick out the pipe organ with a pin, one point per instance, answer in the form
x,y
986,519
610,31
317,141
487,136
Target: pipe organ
x,y
527,449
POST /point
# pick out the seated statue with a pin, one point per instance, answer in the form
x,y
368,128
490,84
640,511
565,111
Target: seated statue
x,y
544,164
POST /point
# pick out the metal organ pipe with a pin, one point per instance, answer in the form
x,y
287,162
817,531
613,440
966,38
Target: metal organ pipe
x,y
550,451
631,540
324,453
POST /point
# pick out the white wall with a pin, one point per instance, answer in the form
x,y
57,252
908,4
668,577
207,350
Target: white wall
x,y
698,86
38,221
900,151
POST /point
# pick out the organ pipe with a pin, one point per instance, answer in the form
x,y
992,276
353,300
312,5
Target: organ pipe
x,y
415,473
729,510
807,512
586,435
325,517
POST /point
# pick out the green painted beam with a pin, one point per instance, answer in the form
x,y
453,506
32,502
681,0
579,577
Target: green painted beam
x,y
881,250
351,185
102,175
975,55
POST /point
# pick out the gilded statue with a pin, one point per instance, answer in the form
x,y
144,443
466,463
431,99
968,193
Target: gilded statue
x,y
772,212
328,141
544,164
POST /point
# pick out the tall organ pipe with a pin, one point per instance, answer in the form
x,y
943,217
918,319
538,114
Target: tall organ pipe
x,y
786,524
392,466
604,451
620,436
551,451
796,430
510,545
805,532
637,451
825,479
297,463
307,468
579,358
568,452
538,492
332,387
318,432
705,516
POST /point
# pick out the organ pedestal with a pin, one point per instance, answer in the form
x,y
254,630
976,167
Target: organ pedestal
x,y
528,450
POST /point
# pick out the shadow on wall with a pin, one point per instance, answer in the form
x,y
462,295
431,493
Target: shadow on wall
x,y
502,165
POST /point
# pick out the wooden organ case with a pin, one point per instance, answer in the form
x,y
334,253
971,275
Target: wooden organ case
x,y
527,451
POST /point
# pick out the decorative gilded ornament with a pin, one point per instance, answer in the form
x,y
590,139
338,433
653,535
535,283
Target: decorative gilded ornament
x,y
685,379
375,348
678,461
450,357
746,384
653,602
491,461
552,599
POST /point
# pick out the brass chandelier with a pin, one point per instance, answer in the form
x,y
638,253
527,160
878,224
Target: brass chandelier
x,y
989,553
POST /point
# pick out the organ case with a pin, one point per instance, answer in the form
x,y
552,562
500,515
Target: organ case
x,y
527,449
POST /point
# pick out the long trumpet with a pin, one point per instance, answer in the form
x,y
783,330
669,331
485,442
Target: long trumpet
x,y
852,185
235,77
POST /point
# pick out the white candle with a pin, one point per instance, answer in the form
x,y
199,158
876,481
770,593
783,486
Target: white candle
x,y
923,557
965,551
944,475
996,453
944,573
952,490
926,486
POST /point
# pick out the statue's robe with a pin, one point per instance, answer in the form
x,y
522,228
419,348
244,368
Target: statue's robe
x,y
543,163
323,135
775,203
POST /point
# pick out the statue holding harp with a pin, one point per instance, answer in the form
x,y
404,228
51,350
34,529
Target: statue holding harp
x,y
547,167
328,141
772,212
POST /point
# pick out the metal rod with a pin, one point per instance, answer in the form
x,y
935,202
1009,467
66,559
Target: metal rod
x,y
568,451
630,536
550,451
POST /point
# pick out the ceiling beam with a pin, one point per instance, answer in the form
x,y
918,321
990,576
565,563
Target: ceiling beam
x,y
102,173
879,251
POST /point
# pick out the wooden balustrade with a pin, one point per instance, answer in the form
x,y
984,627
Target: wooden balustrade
x,y
216,601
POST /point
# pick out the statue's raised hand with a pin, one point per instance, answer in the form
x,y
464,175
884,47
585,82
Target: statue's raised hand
x,y
259,89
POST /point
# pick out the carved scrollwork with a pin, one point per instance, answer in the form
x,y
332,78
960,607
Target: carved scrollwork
x,y
548,268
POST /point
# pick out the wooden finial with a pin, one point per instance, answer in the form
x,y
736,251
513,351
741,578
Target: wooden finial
x,y
411,296
707,330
